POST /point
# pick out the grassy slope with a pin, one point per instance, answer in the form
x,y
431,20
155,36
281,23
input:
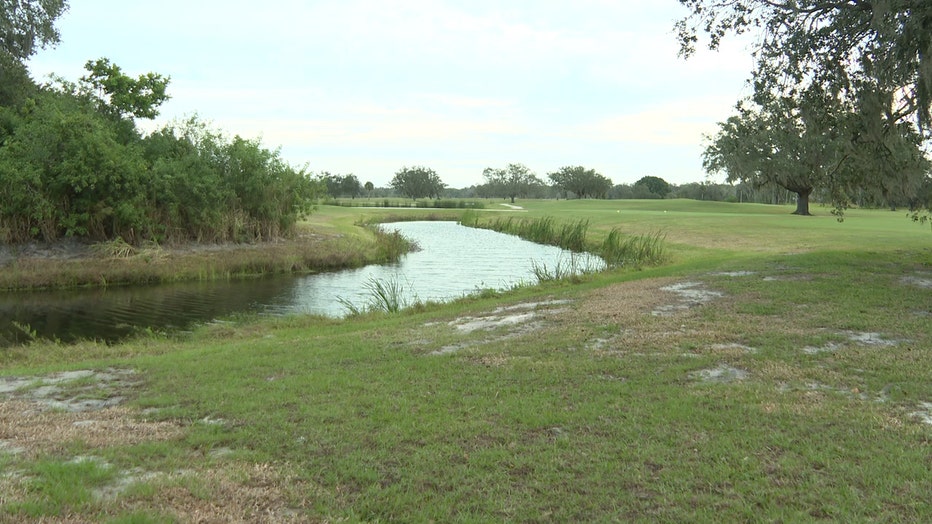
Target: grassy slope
x,y
599,413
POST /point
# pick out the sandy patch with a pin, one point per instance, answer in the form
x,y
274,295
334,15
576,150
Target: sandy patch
x,y
853,338
689,295
721,374
523,318
921,281
924,413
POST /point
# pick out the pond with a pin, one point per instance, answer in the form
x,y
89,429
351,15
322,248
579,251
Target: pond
x,y
453,261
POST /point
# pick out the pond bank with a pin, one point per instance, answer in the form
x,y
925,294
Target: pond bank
x,y
71,263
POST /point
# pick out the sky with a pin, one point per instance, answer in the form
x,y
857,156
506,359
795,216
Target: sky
x,y
370,86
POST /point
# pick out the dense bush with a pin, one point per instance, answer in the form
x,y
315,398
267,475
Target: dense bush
x,y
69,167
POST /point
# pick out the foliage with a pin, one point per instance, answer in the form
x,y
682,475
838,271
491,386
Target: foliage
x,y
572,270
28,25
122,94
385,296
513,181
866,65
70,168
581,181
811,142
65,171
15,84
544,230
655,185
342,185
861,51
418,182
647,249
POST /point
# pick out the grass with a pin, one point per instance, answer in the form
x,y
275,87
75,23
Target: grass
x,y
569,403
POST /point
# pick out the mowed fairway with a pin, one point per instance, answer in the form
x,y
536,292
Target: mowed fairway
x,y
778,368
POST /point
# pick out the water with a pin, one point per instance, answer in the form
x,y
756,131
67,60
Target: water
x,y
453,261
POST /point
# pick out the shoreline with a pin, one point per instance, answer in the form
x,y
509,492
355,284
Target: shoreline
x,y
74,264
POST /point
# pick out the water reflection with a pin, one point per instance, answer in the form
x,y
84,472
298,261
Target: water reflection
x,y
453,261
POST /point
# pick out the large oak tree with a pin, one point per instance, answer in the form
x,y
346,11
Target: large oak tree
x,y
868,64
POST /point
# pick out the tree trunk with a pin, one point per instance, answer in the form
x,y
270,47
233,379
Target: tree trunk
x,y
802,203
512,199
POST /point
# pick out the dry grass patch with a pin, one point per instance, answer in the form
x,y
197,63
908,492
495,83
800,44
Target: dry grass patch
x,y
31,430
234,492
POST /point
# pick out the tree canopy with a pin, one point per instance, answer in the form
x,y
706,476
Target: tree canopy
x,y
122,94
581,181
655,185
418,182
842,94
28,25
71,165
877,54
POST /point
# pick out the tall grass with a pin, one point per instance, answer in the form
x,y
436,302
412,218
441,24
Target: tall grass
x,y
391,245
572,270
617,250
387,296
648,249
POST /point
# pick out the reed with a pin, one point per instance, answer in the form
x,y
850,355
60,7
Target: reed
x,y
391,245
386,296
618,250
544,230
573,270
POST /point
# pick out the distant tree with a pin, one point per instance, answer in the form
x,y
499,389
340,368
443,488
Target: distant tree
x,y
28,25
655,185
417,182
513,181
581,181
350,186
369,187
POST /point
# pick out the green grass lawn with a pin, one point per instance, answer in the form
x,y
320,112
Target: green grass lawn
x,y
777,369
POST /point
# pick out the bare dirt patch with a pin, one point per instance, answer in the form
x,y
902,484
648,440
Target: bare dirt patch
x,y
722,373
853,338
40,415
521,319
688,295
921,280
72,391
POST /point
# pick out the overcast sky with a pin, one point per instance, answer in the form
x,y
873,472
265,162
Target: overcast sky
x,y
369,86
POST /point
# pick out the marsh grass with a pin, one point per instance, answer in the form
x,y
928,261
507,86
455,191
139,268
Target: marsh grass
x,y
544,230
619,250
383,295
116,248
573,269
